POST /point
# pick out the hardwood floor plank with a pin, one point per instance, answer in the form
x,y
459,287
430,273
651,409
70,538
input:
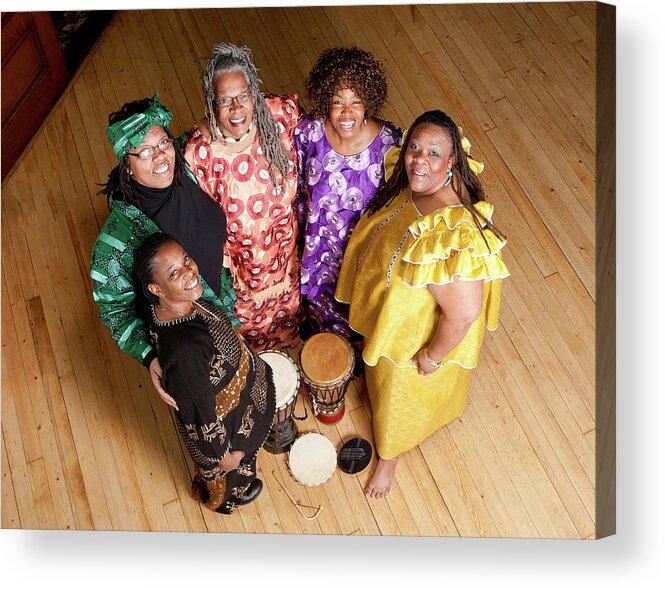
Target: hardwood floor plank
x,y
579,73
19,204
41,496
72,476
62,516
498,490
583,28
13,445
542,363
560,13
185,63
475,60
272,468
285,46
246,26
9,508
539,68
312,39
576,246
429,496
175,95
333,35
450,472
556,487
15,340
547,338
460,102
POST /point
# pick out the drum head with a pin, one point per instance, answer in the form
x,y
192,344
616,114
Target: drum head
x,y
285,375
326,357
312,459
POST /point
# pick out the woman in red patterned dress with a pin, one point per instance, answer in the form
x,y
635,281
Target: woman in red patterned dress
x,y
243,156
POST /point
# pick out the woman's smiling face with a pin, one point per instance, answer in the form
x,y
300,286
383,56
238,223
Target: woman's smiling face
x,y
427,159
234,119
346,112
156,171
175,275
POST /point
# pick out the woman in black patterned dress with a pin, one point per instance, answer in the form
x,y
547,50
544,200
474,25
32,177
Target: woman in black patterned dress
x,y
224,391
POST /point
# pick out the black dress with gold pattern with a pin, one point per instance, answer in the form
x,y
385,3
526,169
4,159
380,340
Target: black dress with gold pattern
x,y
225,395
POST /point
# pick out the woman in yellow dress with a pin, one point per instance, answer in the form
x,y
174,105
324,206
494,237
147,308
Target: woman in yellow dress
x,y
422,275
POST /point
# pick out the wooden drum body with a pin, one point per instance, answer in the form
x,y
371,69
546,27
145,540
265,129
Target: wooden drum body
x,y
287,383
326,365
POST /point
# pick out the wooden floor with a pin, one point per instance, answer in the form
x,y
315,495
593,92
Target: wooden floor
x,y
87,444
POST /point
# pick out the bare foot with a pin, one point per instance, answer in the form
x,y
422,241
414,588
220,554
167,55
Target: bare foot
x,y
382,479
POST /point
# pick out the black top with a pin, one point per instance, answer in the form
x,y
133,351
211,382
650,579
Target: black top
x,y
224,391
187,213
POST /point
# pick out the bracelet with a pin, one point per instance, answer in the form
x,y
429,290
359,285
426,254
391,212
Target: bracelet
x,y
431,362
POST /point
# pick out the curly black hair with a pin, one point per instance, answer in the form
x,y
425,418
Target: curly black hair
x,y
346,67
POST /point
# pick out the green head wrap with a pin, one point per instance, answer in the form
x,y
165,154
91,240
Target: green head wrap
x,y
129,133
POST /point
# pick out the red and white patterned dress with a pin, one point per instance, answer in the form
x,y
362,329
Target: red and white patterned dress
x,y
261,236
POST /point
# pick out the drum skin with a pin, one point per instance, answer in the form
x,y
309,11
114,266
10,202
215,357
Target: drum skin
x,y
287,384
326,363
312,459
326,357
285,375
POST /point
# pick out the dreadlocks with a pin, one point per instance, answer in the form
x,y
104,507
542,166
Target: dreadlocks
x,y
119,184
226,58
463,176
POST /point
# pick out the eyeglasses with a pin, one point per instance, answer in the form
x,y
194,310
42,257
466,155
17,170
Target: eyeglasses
x,y
228,100
148,152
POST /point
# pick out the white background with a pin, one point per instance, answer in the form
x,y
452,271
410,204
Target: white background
x,y
634,557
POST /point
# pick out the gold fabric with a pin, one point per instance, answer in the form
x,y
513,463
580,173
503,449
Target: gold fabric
x,y
407,408
390,260
228,397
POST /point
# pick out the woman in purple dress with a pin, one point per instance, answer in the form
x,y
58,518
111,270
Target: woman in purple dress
x,y
341,149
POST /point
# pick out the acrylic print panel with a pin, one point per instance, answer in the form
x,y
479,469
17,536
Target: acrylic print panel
x,y
88,444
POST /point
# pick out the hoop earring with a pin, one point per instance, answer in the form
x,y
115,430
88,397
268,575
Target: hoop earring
x,y
450,178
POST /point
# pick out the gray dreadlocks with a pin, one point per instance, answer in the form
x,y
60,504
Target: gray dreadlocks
x,y
226,58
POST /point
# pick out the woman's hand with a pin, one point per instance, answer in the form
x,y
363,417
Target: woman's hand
x,y
423,366
205,130
231,460
460,303
156,377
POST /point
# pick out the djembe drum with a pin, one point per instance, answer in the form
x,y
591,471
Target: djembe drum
x,y
326,364
287,383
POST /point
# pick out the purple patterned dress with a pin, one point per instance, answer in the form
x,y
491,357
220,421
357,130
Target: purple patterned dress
x,y
334,192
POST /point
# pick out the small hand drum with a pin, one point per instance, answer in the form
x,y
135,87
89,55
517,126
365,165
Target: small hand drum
x,y
354,456
287,383
326,363
312,459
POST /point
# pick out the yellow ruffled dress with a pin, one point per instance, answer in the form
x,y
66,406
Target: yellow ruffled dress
x,y
389,261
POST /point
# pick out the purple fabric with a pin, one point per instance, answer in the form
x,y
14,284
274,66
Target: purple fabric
x,y
334,192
